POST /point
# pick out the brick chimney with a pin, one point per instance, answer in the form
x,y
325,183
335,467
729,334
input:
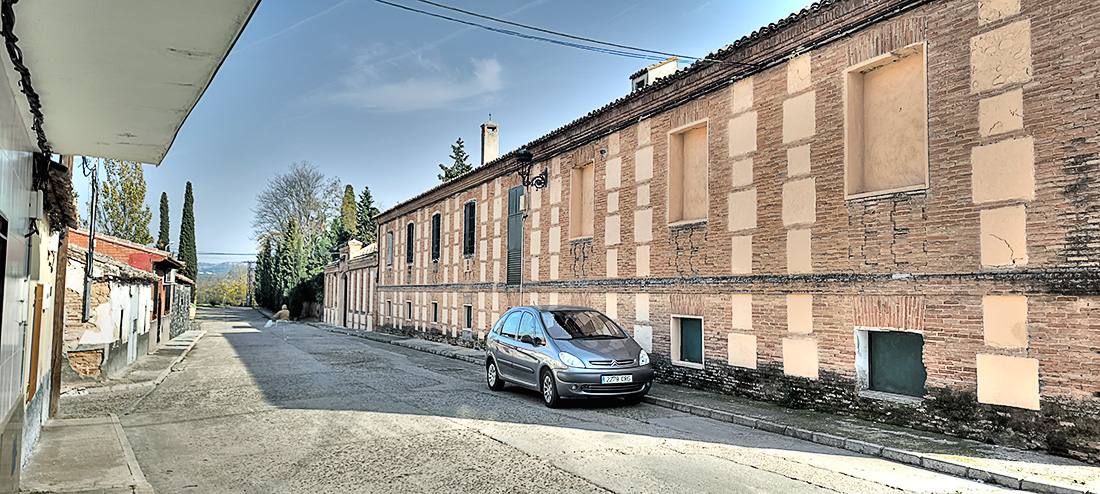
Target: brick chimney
x,y
490,142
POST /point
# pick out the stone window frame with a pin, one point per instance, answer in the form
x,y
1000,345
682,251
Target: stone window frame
x,y
863,365
677,132
435,312
576,210
674,341
468,317
849,122
408,310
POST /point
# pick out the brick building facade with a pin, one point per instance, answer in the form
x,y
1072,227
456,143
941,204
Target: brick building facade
x,y
884,208
349,287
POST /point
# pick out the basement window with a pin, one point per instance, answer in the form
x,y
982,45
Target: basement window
x,y
890,362
886,124
687,341
435,312
582,211
688,195
469,316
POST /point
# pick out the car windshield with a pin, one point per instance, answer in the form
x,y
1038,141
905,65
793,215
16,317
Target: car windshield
x,y
580,324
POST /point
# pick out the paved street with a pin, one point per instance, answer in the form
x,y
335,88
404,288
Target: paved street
x,y
300,409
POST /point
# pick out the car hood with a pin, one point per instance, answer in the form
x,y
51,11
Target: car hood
x,y
600,349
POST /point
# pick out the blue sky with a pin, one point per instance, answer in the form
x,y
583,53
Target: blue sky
x,y
375,95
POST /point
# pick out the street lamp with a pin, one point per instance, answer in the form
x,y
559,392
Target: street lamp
x,y
524,158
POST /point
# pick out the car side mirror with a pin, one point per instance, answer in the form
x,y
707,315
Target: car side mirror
x,y
526,339
538,341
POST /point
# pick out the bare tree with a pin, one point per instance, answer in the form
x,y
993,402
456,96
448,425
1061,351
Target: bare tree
x,y
302,193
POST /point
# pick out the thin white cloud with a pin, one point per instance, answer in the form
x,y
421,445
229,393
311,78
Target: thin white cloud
x,y
432,86
295,25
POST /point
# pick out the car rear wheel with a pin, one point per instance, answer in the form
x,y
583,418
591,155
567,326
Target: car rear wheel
x,y
492,377
549,388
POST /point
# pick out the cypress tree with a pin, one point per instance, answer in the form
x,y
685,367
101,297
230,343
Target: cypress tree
x,y
366,211
349,213
187,252
263,274
162,237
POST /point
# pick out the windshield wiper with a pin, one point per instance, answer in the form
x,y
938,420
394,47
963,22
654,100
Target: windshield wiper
x,y
602,337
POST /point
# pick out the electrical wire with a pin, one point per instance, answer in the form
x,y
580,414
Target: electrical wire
x,y
652,56
570,36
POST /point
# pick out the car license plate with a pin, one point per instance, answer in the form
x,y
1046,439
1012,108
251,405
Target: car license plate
x,y
616,379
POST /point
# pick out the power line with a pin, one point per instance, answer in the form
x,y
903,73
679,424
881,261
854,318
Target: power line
x,y
250,254
652,54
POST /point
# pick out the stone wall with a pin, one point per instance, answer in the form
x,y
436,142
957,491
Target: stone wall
x,y
180,318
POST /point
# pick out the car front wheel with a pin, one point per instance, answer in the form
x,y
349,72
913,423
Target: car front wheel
x,y
549,390
492,377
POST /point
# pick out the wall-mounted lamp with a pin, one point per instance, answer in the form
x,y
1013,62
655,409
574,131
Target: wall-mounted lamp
x,y
524,158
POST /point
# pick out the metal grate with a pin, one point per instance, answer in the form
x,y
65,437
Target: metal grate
x,y
611,363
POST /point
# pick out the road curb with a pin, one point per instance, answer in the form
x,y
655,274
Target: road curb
x,y
164,373
140,485
941,465
367,335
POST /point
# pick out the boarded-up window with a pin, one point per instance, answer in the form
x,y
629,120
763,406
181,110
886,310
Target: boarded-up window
x,y
687,340
436,232
582,211
469,215
389,248
409,239
688,196
887,124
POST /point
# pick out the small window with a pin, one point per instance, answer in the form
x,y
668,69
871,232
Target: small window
x,y
408,311
389,308
582,211
469,215
688,195
469,316
687,341
894,361
437,229
511,325
435,312
389,248
410,240
886,124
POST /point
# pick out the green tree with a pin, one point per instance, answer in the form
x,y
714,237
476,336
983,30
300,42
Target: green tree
x,y
187,252
458,154
264,275
365,212
163,237
348,213
290,267
121,208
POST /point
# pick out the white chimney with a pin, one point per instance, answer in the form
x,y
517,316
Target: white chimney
x,y
490,142
646,76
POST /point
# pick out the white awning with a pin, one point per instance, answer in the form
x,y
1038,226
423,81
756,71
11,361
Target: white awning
x,y
117,78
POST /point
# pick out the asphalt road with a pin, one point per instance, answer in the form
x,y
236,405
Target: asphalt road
x,y
300,409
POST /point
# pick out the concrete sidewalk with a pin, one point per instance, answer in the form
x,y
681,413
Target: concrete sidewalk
x,y
1008,467
92,455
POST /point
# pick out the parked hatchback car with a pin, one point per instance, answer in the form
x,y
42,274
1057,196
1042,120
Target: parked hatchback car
x,y
565,352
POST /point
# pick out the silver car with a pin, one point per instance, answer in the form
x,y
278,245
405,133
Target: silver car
x,y
565,352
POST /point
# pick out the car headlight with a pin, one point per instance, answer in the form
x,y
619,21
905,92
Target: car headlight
x,y
643,358
570,360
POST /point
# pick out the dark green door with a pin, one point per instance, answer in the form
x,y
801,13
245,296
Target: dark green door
x,y
896,362
691,340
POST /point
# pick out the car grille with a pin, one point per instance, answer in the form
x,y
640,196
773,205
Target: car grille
x,y
611,363
612,388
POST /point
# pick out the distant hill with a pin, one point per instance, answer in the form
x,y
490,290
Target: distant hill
x,y
217,268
